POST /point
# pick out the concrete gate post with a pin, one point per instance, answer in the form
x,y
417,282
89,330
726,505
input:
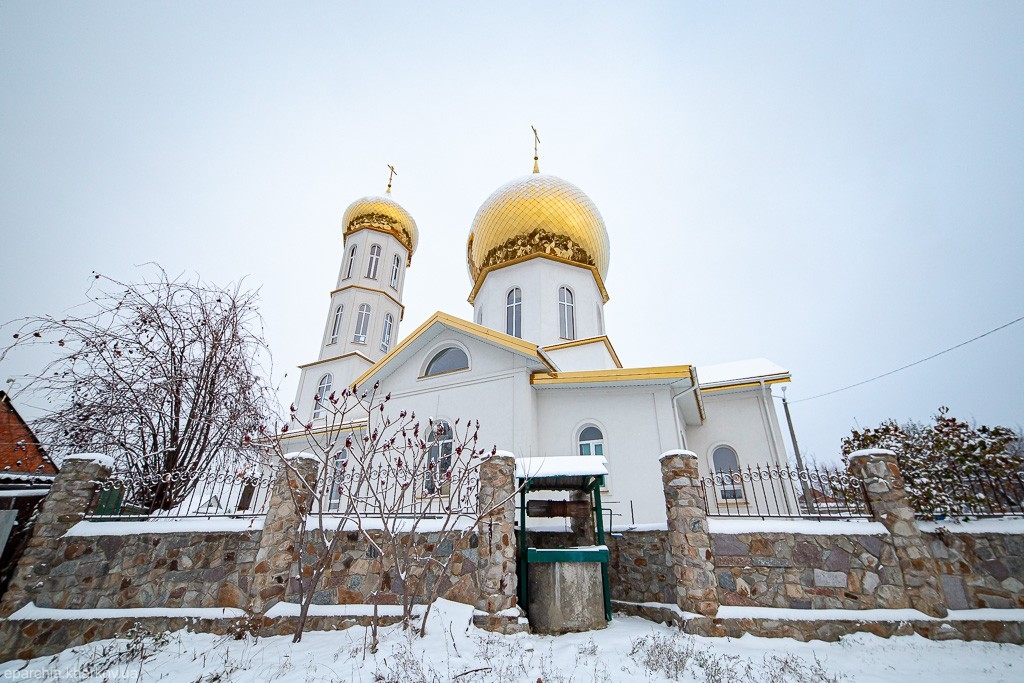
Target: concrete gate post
x,y
64,506
291,498
688,535
496,568
888,502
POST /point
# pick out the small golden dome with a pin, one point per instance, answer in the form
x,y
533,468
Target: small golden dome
x,y
383,214
537,214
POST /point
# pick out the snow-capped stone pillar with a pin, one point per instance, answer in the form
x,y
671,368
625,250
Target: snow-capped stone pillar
x,y
888,502
496,570
290,500
64,506
689,538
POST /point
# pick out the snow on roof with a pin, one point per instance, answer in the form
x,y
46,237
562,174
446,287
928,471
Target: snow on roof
x,y
561,466
751,369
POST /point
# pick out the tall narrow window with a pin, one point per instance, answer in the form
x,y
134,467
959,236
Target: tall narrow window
x,y
336,327
351,262
385,337
591,441
727,473
566,314
396,270
323,393
439,458
514,313
362,324
371,267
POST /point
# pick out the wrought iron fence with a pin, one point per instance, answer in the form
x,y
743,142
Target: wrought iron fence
x,y
969,496
401,492
765,491
220,491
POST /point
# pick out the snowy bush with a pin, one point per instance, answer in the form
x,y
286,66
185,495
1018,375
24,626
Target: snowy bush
x,y
950,468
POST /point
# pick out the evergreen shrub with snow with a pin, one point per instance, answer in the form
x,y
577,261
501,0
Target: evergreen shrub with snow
x,y
950,467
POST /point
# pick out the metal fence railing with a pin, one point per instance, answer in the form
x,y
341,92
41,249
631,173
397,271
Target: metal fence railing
x,y
216,492
765,491
399,492
968,496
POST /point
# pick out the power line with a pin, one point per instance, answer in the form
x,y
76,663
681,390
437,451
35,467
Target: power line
x,y
910,365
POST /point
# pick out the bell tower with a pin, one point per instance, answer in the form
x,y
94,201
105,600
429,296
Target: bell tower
x,y
366,304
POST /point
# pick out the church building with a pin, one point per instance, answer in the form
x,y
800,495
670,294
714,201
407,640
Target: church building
x,y
536,365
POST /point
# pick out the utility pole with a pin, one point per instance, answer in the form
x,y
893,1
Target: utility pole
x,y
805,485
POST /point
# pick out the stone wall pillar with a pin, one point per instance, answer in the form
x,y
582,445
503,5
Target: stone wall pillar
x,y
888,502
291,498
496,569
689,538
64,506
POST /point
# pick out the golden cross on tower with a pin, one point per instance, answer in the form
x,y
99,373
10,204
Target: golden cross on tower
x,y
391,175
536,141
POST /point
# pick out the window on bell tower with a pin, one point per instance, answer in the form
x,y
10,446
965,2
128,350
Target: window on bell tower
x,y
566,314
371,267
385,337
514,313
362,324
336,327
396,270
351,262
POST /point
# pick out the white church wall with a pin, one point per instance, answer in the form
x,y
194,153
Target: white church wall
x,y
495,390
540,279
636,433
739,418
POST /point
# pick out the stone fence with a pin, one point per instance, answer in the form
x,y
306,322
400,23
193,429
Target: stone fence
x,y
192,564
697,565
889,563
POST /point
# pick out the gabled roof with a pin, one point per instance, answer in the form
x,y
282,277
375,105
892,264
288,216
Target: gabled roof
x,y
741,374
20,450
439,322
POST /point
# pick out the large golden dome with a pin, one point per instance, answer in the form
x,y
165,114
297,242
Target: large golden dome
x,y
537,214
383,214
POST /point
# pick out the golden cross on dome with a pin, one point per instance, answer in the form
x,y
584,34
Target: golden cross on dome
x,y
391,175
536,141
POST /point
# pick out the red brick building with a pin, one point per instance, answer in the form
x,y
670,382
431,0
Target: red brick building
x,y
26,473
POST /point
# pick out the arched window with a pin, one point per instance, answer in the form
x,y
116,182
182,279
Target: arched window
x,y
336,327
362,324
447,360
396,270
351,262
385,337
371,267
727,469
323,392
514,313
566,314
591,441
439,458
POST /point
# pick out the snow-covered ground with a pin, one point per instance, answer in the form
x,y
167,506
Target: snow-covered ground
x,y
630,649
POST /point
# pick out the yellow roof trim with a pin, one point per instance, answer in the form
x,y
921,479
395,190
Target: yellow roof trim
x,y
618,374
584,342
371,289
489,269
334,358
746,385
498,338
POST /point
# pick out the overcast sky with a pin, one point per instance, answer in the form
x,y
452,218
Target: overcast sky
x,y
838,187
